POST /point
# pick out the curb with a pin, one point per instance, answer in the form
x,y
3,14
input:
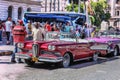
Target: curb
x,y
5,53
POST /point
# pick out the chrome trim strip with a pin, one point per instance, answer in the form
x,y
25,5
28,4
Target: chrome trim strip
x,y
110,51
41,59
22,56
35,48
82,59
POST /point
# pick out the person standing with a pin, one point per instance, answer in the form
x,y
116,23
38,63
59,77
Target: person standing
x,y
1,31
89,31
68,28
11,35
37,32
29,27
19,34
8,25
47,26
54,27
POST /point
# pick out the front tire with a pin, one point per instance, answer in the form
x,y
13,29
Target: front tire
x,y
29,62
95,57
116,52
66,61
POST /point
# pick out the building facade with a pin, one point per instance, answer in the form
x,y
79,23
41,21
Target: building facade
x,y
114,9
54,5
16,8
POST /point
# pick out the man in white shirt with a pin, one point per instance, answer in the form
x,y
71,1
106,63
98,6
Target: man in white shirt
x,y
8,25
37,32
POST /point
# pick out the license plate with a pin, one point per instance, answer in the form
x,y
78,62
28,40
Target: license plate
x,y
35,59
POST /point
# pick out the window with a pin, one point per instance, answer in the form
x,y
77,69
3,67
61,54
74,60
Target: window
x,y
20,13
117,1
10,10
118,13
29,9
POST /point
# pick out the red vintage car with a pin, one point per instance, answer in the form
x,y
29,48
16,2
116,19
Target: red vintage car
x,y
62,48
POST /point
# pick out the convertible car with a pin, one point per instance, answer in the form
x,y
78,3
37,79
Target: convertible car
x,y
109,41
60,48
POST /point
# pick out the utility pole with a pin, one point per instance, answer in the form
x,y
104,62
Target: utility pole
x,y
79,6
84,6
72,5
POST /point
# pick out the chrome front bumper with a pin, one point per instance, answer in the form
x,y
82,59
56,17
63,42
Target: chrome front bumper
x,y
40,59
52,60
110,51
22,56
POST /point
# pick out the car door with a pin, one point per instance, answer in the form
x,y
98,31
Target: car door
x,y
82,50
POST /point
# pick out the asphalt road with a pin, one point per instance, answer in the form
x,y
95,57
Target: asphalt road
x,y
104,69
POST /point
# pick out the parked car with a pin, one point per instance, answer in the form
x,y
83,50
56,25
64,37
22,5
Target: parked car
x,y
61,48
109,41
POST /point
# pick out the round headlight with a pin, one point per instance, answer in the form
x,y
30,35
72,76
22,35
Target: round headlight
x,y
50,47
20,45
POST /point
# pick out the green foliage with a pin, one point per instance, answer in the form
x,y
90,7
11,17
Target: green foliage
x,y
69,7
99,9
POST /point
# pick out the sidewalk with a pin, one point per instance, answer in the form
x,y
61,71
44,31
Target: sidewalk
x,y
6,50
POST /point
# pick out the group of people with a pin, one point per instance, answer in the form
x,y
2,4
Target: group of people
x,y
36,31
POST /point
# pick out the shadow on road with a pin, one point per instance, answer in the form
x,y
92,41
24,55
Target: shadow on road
x,y
6,63
86,63
48,66
75,65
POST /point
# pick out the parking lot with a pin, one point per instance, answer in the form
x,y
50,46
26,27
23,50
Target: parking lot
x,y
104,69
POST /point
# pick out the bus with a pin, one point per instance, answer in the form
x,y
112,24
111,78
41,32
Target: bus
x,y
74,18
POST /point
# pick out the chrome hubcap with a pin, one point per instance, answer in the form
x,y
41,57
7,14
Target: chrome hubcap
x,y
95,57
66,60
115,52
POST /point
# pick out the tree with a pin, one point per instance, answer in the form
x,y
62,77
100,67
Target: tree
x,y
69,7
100,13
98,8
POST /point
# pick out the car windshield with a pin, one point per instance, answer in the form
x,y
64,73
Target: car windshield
x,y
63,36
109,34
60,36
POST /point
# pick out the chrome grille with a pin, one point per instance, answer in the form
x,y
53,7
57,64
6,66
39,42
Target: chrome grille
x,y
35,49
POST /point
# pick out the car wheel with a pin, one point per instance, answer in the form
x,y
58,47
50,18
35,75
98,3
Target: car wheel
x,y
66,60
29,62
95,57
115,53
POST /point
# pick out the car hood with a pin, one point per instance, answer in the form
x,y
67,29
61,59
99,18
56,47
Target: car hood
x,y
28,44
102,39
58,43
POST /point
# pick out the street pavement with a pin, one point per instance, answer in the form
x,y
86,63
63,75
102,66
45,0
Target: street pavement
x,y
104,69
5,49
8,70
107,68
